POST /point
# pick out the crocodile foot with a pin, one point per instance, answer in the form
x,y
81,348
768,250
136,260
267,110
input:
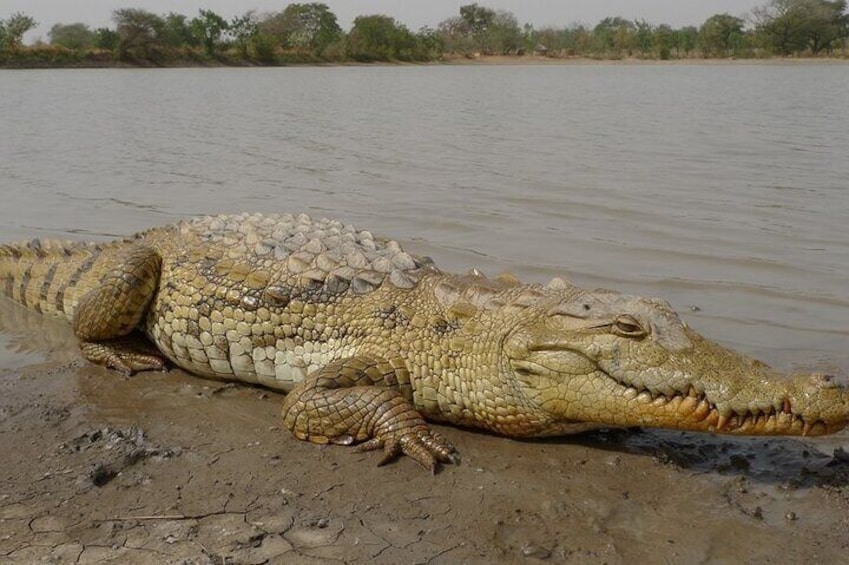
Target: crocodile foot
x,y
360,399
127,355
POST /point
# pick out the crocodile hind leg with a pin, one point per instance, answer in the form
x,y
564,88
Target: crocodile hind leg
x,y
107,315
365,399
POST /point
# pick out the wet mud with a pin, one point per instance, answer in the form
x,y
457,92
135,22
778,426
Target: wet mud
x,y
170,468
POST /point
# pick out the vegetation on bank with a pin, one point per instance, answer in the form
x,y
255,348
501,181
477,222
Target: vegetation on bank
x,y
310,33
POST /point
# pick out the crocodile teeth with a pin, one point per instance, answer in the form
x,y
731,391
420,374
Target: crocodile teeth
x,y
806,429
785,407
723,421
689,404
660,401
702,410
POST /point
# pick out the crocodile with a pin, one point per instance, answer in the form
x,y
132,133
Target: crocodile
x,y
370,342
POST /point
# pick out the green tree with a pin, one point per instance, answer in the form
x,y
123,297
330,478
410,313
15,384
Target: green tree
x,y
781,24
721,35
790,26
828,23
209,27
503,36
105,38
139,33
12,31
663,40
614,36
480,29
493,32
243,29
685,40
549,40
311,26
644,37
177,32
429,44
582,38
71,36
456,36
379,38
305,28
264,48
477,18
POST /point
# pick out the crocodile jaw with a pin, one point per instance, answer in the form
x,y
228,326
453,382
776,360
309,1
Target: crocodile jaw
x,y
610,381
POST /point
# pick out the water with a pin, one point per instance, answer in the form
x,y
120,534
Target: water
x,y
717,186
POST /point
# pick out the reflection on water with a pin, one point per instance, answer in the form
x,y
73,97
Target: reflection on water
x,y
27,338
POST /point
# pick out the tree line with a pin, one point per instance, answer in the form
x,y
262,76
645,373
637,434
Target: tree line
x,y
310,32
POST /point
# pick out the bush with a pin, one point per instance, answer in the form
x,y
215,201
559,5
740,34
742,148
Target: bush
x,y
263,48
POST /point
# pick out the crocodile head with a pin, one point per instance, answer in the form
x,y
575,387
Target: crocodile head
x,y
604,358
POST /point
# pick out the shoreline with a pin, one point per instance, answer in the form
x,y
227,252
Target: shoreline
x,y
449,60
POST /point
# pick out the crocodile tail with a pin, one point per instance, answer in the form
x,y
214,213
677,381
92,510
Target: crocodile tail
x,y
39,274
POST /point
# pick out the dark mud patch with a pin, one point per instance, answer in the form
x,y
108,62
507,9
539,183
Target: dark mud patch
x,y
116,449
777,461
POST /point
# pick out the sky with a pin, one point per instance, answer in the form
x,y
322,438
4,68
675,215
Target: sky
x,y
412,13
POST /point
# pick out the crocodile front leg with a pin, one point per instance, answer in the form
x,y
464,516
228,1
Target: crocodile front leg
x,y
107,315
365,399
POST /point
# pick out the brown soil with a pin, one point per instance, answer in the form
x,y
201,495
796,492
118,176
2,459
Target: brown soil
x,y
170,468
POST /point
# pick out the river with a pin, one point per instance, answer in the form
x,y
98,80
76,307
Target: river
x,y
722,188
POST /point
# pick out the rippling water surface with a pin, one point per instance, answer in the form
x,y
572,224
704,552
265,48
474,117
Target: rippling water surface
x,y
723,187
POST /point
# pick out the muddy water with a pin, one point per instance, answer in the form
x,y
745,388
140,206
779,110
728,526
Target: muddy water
x,y
720,188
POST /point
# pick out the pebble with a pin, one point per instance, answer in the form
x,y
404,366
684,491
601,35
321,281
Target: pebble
x,y
536,551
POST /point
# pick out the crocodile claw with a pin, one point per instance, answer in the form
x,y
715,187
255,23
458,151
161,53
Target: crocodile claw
x,y
424,446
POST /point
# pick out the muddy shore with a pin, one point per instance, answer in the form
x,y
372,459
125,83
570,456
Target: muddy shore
x,y
170,468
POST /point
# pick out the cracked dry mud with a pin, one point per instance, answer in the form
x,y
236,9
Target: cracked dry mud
x,y
170,468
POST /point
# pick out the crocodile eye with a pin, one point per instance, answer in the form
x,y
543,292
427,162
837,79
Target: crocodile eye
x,y
628,326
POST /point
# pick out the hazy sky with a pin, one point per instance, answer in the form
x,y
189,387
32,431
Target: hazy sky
x,y
412,13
